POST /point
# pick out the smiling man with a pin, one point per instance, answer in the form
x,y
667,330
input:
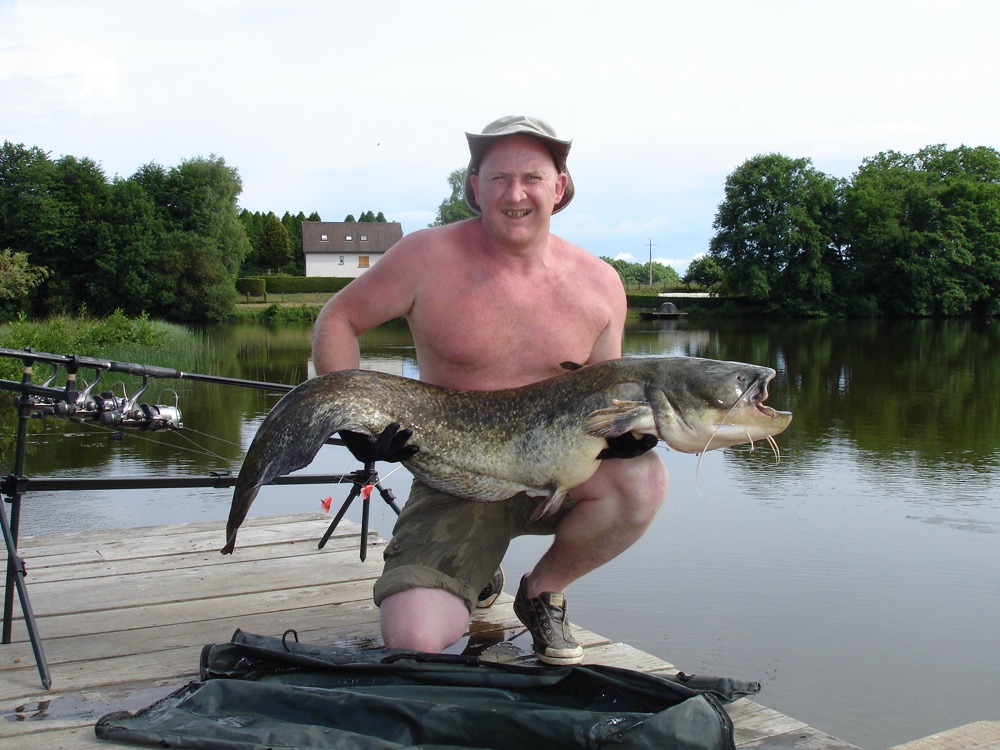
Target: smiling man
x,y
493,302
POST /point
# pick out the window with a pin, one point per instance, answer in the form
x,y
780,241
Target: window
x,y
362,261
348,238
364,238
324,238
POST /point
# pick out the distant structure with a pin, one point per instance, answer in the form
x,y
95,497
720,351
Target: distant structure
x,y
666,311
346,249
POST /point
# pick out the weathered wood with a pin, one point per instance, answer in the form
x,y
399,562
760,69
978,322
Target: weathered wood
x,y
979,735
124,616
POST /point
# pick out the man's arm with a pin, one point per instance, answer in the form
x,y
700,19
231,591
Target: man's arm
x,y
609,343
383,292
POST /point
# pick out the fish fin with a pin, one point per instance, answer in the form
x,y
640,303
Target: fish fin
x,y
619,418
550,506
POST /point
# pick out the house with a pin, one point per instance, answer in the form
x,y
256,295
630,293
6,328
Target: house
x,y
344,249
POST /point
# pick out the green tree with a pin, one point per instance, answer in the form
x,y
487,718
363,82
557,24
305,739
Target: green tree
x,y
924,231
17,278
122,275
776,234
196,198
82,190
293,225
635,274
454,208
703,271
253,226
33,220
275,245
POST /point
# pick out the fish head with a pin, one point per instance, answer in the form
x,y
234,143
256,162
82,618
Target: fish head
x,y
703,404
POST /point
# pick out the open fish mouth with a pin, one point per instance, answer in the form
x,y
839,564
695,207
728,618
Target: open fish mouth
x,y
757,394
749,418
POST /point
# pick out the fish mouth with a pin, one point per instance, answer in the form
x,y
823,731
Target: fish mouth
x,y
757,394
745,412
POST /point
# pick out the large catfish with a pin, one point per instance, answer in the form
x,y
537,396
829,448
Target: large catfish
x,y
542,439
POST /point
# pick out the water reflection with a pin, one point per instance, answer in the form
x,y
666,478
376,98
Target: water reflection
x,y
862,561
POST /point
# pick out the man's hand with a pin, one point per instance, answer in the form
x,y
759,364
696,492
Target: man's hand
x,y
389,446
628,446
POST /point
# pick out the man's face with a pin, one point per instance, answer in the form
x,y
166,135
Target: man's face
x,y
517,187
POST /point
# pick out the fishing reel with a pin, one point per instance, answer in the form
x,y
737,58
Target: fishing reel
x,y
110,409
120,412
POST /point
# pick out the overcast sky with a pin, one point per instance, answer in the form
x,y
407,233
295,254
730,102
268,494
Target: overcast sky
x,y
341,107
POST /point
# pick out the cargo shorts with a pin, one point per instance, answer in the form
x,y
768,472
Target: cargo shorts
x,y
441,541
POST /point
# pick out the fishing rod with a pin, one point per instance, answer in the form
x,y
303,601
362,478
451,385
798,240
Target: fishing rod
x,y
73,362
120,411
69,401
108,408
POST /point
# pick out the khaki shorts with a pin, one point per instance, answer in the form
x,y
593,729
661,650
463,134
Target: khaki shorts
x,y
443,542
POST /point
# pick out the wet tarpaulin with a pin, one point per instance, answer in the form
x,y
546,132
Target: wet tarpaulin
x,y
264,692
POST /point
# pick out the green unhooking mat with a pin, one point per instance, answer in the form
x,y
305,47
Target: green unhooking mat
x,y
263,692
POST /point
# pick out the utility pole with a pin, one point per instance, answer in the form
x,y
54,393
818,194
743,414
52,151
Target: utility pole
x,y
651,263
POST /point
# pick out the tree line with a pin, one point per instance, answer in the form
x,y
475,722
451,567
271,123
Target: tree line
x,y
907,235
914,235
169,243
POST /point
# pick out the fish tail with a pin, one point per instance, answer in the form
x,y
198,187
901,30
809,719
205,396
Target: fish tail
x,y
237,515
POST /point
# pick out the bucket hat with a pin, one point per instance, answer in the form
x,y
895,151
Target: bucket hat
x,y
517,125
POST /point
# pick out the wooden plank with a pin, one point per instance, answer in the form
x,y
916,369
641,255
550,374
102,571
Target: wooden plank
x,y
211,578
57,711
979,735
124,616
80,737
137,538
108,565
195,538
157,633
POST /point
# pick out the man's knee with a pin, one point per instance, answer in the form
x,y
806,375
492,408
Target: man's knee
x,y
422,619
637,487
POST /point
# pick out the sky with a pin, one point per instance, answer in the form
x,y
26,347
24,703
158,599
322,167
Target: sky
x,y
345,107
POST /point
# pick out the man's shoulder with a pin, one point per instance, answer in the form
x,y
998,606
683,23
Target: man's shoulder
x,y
587,263
441,238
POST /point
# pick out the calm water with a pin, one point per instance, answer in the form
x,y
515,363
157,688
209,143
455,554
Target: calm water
x,y
857,578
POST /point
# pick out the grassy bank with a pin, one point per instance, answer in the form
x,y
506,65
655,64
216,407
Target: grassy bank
x,y
116,337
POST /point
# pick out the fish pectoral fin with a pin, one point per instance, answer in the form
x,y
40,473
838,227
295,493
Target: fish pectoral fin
x,y
550,506
619,418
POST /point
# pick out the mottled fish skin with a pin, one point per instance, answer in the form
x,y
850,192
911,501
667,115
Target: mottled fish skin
x,y
542,438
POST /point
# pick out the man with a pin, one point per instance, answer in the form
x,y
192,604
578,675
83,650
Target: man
x,y
495,302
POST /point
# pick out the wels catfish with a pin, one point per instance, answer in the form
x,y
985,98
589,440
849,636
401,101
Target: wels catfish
x,y
542,439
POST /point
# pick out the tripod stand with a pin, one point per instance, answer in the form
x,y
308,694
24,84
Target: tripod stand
x,y
13,487
363,481
68,401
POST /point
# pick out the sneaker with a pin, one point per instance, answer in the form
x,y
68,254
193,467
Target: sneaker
x,y
545,618
492,590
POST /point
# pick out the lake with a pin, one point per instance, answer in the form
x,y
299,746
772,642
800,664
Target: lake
x,y
856,577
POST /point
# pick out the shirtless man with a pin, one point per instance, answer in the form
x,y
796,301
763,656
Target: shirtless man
x,y
497,302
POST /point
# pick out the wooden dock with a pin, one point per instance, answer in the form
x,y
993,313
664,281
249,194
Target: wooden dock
x,y
123,617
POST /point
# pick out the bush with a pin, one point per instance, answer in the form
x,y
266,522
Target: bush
x,y
89,337
255,285
260,285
